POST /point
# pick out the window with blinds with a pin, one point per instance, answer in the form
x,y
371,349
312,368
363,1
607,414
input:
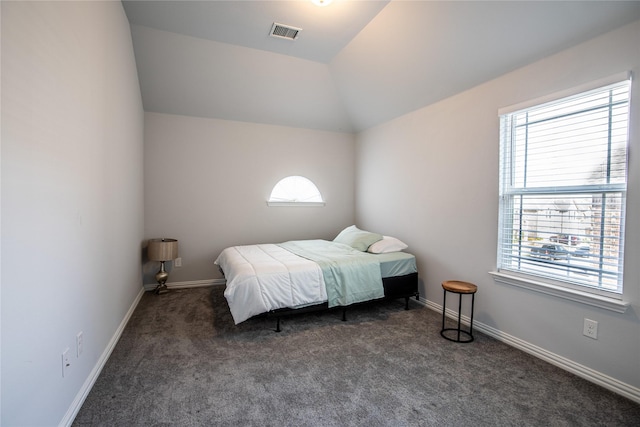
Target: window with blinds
x,y
563,181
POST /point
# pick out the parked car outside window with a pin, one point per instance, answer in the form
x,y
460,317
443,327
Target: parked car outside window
x,y
551,251
582,251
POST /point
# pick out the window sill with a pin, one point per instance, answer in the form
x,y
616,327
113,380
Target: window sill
x,y
297,204
599,301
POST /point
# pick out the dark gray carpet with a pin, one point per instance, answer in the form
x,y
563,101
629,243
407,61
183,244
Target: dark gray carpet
x,y
182,362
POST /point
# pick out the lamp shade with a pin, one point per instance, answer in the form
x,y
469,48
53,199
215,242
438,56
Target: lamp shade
x,y
162,249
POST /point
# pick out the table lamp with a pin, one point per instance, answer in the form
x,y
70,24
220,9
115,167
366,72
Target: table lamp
x,y
162,250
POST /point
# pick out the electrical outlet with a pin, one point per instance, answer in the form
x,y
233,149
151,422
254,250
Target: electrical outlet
x,y
590,328
66,363
177,262
79,343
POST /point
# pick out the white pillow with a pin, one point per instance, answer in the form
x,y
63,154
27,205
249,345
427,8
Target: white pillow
x,y
386,245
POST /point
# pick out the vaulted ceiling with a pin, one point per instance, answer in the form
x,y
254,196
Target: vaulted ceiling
x,y
355,64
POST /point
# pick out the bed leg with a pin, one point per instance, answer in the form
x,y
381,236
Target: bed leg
x,y
278,324
406,303
344,314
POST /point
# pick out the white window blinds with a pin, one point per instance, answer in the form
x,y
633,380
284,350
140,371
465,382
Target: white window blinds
x,y
563,181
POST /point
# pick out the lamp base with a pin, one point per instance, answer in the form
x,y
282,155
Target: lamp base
x,y
161,278
161,289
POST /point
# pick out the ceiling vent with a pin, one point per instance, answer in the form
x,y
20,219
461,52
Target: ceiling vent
x,y
284,31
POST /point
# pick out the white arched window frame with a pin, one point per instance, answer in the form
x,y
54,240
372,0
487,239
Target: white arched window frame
x,y
295,191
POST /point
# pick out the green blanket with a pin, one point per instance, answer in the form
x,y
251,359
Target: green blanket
x,y
350,276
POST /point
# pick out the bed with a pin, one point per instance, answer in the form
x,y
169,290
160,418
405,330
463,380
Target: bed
x,y
302,275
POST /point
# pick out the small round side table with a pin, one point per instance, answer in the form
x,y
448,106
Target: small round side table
x,y
460,288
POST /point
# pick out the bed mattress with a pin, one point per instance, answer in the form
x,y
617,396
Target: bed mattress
x,y
396,264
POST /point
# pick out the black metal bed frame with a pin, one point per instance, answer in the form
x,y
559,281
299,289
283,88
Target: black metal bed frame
x,y
394,287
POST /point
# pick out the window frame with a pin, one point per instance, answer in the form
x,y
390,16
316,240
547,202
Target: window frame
x,y
546,283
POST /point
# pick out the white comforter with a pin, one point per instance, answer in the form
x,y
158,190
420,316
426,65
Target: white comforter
x,y
261,278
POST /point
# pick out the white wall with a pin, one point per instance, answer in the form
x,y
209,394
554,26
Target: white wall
x,y
207,182
431,178
72,198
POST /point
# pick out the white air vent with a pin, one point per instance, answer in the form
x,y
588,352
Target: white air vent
x,y
284,31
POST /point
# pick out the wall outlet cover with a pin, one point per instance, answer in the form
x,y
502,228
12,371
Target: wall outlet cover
x,y
590,328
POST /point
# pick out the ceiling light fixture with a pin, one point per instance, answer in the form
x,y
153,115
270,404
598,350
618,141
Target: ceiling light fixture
x,y
321,2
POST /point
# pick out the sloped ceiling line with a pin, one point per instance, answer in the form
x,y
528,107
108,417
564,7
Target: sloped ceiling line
x,y
348,71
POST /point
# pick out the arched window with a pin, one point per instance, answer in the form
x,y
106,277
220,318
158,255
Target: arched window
x,y
295,191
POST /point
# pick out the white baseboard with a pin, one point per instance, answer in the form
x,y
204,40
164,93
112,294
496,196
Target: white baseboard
x,y
190,284
582,371
73,410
